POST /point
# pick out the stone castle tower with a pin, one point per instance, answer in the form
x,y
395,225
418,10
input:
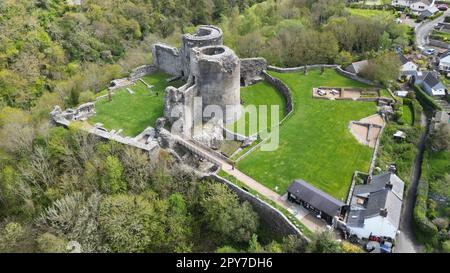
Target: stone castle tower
x,y
211,71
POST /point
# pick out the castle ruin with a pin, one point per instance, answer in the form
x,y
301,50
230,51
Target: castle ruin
x,y
214,73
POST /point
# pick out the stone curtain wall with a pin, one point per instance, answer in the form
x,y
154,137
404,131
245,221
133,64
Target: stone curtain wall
x,y
338,69
300,68
283,89
269,215
251,69
167,59
141,71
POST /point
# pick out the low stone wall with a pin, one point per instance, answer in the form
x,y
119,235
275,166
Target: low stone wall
x,y
354,77
251,70
141,71
283,89
299,68
268,215
316,66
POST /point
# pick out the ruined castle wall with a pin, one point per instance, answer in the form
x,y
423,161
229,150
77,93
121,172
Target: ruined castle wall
x,y
205,36
251,69
216,71
141,71
167,59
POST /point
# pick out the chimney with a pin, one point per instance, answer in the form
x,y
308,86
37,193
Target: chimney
x,y
389,185
383,212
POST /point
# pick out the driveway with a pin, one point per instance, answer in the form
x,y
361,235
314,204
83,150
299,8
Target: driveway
x,y
424,29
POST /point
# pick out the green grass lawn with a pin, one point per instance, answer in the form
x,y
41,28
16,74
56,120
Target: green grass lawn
x,y
386,14
438,167
259,94
407,115
315,143
134,112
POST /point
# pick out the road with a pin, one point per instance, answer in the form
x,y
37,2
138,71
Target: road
x,y
424,29
406,241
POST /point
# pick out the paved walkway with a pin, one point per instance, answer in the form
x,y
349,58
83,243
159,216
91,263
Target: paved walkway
x,y
302,214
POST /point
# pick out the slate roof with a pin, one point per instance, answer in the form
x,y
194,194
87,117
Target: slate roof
x,y
315,197
403,59
433,81
378,197
356,67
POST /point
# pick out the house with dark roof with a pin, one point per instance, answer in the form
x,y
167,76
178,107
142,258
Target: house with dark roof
x,y
430,82
408,68
376,206
444,62
357,67
322,204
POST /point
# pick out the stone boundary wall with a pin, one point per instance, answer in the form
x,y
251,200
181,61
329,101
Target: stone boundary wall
x,y
315,66
268,214
233,135
283,89
299,68
141,71
375,151
219,155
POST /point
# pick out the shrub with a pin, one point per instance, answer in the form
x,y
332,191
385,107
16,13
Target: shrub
x,y
425,99
425,229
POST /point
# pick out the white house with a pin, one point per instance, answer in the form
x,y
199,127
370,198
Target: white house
x,y
376,207
420,6
430,83
444,62
408,67
402,3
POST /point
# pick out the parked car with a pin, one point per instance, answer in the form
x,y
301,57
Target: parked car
x,y
430,51
442,7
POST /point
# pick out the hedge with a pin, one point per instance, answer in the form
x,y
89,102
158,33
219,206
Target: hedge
x,y
425,99
417,110
426,231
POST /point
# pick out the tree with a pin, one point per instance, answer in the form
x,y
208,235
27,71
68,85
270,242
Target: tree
x,y
293,244
10,236
112,182
325,243
440,139
254,246
344,58
130,224
225,216
49,243
384,69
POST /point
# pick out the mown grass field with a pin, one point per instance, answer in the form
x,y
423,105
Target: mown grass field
x,y
386,14
407,115
134,112
260,94
315,143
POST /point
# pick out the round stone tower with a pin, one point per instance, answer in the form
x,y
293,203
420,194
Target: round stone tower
x,y
215,70
205,36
